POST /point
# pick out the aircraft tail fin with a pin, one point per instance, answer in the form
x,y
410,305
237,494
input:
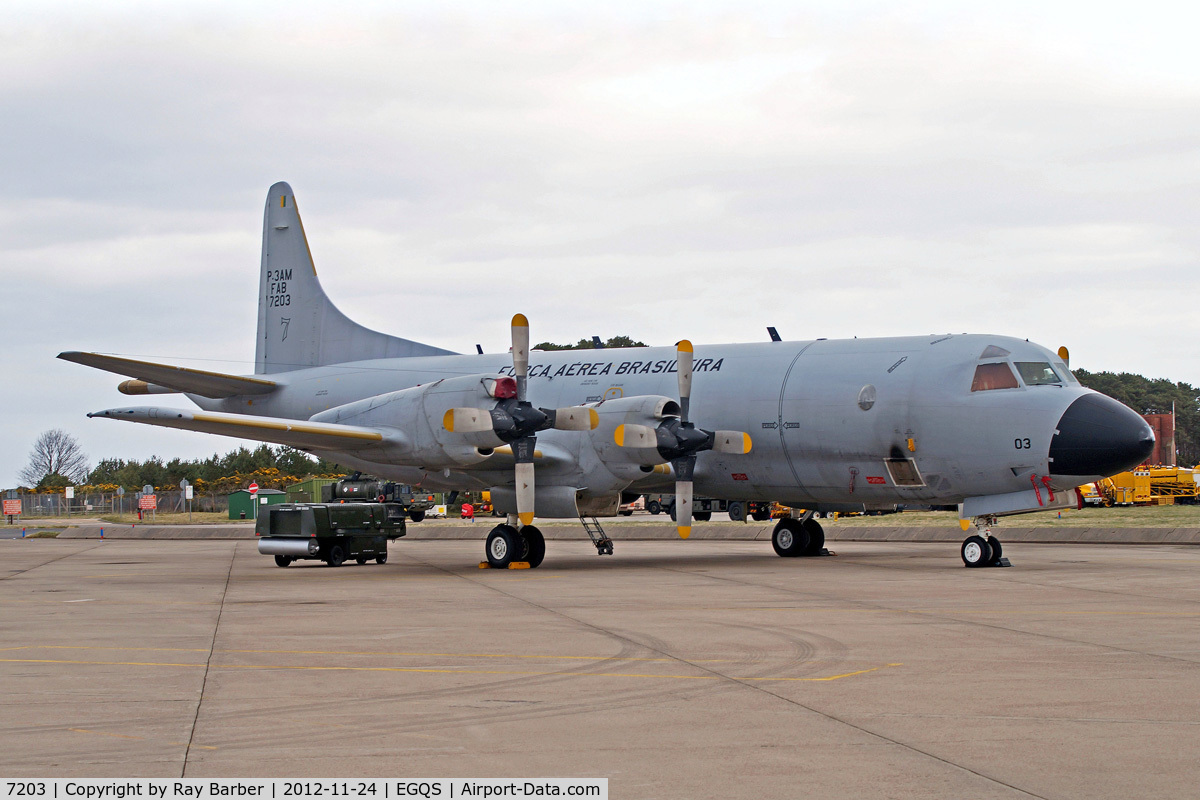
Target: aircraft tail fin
x,y
298,326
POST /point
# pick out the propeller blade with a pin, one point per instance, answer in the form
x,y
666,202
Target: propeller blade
x,y
635,436
573,418
683,508
520,352
525,492
684,468
684,354
467,420
735,442
1065,355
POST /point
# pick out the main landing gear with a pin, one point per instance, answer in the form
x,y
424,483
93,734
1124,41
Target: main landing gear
x,y
798,537
983,550
506,545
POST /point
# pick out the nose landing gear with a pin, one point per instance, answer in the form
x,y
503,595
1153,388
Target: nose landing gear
x,y
983,550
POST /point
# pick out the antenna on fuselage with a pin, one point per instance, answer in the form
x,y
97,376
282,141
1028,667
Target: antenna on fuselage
x,y
774,334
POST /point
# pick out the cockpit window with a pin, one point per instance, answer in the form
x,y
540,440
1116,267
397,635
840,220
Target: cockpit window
x,y
1038,373
993,376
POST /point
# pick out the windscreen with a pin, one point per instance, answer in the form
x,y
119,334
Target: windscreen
x,y
993,376
1038,373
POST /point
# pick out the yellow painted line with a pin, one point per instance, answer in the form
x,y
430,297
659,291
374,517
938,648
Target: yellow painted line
x,y
94,663
433,670
104,733
361,653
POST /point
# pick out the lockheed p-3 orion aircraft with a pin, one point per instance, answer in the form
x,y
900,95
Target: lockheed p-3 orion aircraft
x,y
993,424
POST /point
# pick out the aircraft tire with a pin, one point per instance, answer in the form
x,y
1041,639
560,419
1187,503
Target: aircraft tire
x,y
816,537
283,561
790,538
504,546
976,552
337,556
997,550
654,508
535,546
737,511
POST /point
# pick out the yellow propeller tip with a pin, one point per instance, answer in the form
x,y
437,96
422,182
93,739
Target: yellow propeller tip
x,y
448,420
526,518
684,345
519,321
965,524
594,417
684,531
619,436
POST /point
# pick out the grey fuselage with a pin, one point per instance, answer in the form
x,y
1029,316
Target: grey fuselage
x,y
824,415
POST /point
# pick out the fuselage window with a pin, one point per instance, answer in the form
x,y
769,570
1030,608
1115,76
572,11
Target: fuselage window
x,y
993,376
1038,373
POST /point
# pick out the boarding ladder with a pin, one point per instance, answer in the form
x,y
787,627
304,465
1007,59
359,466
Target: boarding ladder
x,y
604,545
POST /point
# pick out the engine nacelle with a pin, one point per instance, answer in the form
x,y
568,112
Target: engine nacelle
x,y
418,414
648,410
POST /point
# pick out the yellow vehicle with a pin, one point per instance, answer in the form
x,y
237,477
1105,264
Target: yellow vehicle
x,y
1144,486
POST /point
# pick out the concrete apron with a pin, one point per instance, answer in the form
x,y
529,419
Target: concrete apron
x,y
717,531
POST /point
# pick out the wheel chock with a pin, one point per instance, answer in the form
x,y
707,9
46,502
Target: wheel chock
x,y
512,565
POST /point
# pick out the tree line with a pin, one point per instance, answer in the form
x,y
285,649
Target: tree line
x,y
270,467
1155,396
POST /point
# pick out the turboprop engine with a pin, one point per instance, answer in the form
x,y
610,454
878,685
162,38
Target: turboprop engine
x,y
415,415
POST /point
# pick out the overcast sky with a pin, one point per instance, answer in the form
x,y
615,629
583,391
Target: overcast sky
x,y
661,170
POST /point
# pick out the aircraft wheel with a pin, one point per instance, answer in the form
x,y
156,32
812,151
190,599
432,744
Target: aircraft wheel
x,y
283,561
702,516
504,546
337,556
535,546
997,550
417,516
816,537
737,511
789,538
976,552
381,559
654,507
360,560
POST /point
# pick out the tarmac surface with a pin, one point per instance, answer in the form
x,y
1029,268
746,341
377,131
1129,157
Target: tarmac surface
x,y
675,669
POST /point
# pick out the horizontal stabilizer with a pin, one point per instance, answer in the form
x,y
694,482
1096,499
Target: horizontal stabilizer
x,y
180,379
292,432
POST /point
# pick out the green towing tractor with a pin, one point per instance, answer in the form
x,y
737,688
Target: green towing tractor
x,y
357,526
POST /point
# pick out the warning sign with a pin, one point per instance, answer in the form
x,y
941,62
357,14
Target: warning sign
x,y
148,502
12,508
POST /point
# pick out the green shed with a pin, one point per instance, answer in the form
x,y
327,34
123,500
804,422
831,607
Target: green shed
x,y
308,491
241,502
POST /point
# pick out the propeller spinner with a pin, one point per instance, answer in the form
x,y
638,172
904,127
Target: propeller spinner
x,y
678,441
514,419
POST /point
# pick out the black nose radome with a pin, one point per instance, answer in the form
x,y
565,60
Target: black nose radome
x,y
1099,436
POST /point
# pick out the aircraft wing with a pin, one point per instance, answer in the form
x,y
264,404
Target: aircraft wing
x,y
292,432
148,376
